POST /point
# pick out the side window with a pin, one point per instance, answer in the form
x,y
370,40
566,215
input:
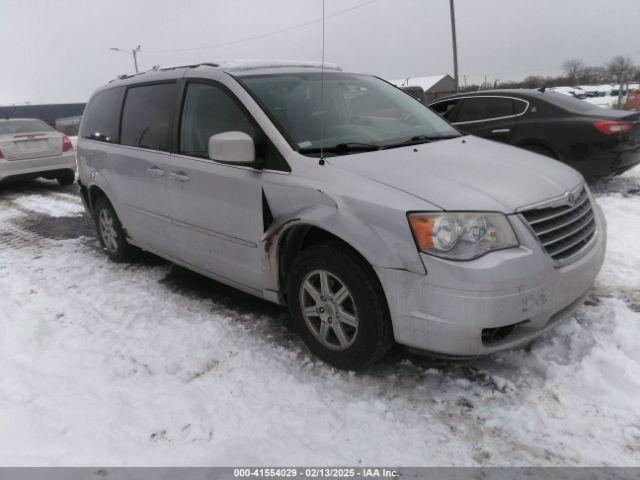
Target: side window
x,y
209,110
445,109
102,116
147,116
519,107
484,108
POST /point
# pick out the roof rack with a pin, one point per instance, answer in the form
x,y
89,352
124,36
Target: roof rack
x,y
156,68
193,65
237,65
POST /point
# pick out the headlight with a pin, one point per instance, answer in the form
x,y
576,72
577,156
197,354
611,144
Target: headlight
x,y
461,235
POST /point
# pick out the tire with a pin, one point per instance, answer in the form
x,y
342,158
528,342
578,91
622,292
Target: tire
x,y
66,179
348,331
110,233
541,150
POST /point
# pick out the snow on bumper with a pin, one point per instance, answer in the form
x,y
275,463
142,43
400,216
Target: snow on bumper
x,y
447,310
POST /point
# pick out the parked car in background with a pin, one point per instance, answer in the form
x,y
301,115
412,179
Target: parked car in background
x,y
603,96
344,198
29,148
597,142
573,91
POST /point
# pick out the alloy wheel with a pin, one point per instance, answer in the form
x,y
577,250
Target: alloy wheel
x,y
329,310
108,230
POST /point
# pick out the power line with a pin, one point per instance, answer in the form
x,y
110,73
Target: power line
x,y
264,35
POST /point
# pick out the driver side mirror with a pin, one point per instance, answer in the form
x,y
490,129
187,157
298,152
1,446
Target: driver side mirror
x,y
232,147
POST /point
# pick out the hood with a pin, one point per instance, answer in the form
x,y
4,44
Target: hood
x,y
466,173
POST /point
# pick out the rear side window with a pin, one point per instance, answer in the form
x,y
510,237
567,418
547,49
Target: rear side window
x,y
445,109
101,118
484,108
147,116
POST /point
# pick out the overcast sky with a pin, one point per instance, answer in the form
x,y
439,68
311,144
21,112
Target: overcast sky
x,y
58,51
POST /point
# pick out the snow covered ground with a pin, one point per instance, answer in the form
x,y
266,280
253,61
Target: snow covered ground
x,y
148,364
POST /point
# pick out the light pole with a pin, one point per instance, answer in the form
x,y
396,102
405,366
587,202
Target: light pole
x,y
133,53
455,45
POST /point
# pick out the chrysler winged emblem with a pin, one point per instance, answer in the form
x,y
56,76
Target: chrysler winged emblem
x,y
571,198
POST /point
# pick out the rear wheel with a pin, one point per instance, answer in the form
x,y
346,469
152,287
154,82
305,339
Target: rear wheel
x,y
110,232
66,179
338,307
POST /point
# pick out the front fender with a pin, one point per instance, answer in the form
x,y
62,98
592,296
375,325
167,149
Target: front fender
x,y
385,249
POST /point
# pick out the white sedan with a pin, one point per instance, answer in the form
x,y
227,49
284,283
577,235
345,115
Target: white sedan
x,y
29,148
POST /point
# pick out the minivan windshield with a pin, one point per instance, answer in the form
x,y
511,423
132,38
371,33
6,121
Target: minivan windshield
x,y
360,112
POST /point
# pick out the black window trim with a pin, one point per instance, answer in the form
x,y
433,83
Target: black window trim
x,y
183,84
123,93
171,140
492,119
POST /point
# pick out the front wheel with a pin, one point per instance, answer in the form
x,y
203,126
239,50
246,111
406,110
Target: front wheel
x,y
338,307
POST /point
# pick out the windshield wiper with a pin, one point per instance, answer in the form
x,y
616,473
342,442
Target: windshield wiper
x,y
343,148
420,139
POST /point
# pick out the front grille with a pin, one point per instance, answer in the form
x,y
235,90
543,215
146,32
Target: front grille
x,y
564,230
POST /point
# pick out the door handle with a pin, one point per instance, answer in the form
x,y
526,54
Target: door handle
x,y
501,130
155,172
180,176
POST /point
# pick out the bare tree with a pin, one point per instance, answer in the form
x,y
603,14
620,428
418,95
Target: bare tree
x,y
595,75
533,81
573,69
622,69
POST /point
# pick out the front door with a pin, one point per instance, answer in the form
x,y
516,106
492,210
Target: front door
x,y
216,207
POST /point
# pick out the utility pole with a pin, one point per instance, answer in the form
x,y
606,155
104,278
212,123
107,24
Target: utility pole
x,y
455,45
133,53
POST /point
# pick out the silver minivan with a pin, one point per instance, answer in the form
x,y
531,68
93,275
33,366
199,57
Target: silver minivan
x,y
343,197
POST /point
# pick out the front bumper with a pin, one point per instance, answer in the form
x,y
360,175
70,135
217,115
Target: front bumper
x,y
35,167
448,310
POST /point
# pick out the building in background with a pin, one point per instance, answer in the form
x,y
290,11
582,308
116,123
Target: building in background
x,y
434,86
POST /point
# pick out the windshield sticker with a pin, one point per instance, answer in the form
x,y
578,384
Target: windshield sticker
x,y
304,144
